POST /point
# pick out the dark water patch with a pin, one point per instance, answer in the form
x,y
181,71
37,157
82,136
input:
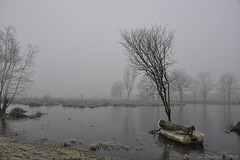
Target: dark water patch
x,y
127,126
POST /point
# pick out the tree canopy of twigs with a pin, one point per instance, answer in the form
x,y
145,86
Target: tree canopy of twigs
x,y
150,50
204,84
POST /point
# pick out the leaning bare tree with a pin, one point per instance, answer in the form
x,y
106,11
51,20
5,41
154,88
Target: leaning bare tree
x,y
129,76
149,50
15,67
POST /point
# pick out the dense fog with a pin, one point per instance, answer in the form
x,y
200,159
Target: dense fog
x,y
80,54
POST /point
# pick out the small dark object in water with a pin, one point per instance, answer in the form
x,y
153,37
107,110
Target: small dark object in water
x,y
37,115
154,131
236,128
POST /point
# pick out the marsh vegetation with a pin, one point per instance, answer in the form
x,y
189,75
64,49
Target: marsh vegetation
x,y
10,149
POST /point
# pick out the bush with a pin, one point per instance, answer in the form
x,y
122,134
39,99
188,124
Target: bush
x,y
17,113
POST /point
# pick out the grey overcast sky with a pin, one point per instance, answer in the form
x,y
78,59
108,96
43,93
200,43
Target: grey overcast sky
x,y
78,39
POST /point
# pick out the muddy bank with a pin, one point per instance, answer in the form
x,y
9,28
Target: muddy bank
x,y
10,149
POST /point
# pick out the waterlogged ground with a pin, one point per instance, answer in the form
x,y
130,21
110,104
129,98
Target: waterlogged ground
x,y
123,131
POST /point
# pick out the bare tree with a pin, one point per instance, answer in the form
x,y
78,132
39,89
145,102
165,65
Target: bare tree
x,y
15,67
129,76
221,88
228,85
117,90
204,84
194,88
149,50
180,82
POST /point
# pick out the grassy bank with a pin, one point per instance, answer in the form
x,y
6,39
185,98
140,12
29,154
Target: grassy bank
x,y
10,149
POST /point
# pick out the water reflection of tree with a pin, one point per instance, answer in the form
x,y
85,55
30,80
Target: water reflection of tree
x,y
3,126
165,154
129,124
169,146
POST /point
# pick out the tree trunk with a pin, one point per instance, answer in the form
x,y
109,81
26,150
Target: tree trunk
x,y
205,99
1,113
229,99
4,107
194,97
128,95
181,98
169,115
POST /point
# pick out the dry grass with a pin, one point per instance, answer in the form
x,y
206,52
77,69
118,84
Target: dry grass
x,y
10,149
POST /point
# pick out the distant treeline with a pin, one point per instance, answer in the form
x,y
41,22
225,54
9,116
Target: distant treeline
x,y
92,103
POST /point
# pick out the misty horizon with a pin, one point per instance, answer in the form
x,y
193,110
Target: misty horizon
x,y
80,53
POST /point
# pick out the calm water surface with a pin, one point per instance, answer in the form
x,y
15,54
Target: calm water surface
x,y
129,126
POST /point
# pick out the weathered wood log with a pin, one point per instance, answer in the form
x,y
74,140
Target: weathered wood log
x,y
175,127
179,133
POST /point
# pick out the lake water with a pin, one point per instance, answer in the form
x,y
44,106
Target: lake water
x,y
129,126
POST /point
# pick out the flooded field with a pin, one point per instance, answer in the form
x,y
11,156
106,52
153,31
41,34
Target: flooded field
x,y
128,127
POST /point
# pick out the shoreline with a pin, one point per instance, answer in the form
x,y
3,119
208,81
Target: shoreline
x,y
82,103
93,103
12,149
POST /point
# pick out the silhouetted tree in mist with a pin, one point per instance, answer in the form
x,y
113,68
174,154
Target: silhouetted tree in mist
x,y
227,86
180,82
129,76
150,50
117,90
194,88
204,84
